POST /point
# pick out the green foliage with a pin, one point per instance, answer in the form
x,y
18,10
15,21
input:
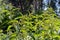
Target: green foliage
x,y
14,25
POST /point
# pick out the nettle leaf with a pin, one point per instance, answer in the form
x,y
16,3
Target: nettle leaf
x,y
9,27
13,35
13,21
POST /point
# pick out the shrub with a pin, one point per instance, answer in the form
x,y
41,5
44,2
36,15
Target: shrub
x,y
16,26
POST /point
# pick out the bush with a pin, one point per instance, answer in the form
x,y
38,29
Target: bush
x,y
14,25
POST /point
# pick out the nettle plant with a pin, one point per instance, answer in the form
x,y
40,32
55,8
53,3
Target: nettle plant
x,y
44,26
14,25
